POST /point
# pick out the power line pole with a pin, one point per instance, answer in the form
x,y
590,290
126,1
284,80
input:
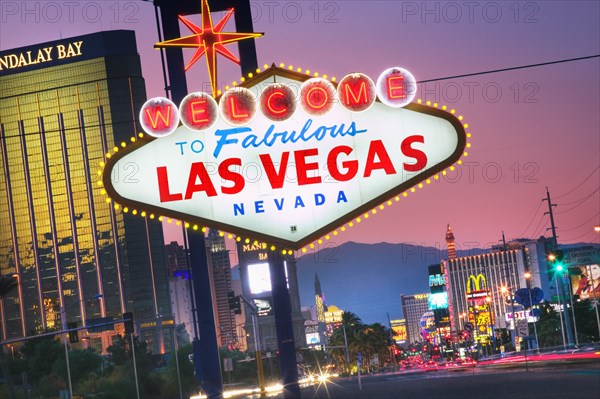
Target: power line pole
x,y
392,343
510,290
560,281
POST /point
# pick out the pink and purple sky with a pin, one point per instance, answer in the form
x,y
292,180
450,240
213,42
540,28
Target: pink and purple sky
x,y
531,128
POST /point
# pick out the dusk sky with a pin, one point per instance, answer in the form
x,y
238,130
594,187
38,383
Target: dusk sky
x,y
531,128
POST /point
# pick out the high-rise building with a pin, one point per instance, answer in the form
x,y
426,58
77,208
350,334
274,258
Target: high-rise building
x,y
492,278
177,262
413,308
450,243
63,106
221,280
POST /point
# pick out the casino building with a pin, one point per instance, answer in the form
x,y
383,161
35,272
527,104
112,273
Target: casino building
x,y
413,308
475,283
63,105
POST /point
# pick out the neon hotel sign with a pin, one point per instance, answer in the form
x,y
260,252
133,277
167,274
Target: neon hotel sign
x,y
285,157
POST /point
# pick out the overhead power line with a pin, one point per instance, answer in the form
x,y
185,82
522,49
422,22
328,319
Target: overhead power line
x,y
511,68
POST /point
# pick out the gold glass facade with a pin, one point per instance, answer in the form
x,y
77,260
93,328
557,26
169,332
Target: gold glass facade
x,y
56,230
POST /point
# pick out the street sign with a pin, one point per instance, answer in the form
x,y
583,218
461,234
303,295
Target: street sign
x,y
469,327
359,359
522,328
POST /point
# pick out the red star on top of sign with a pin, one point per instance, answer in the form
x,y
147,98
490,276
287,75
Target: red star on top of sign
x,y
208,40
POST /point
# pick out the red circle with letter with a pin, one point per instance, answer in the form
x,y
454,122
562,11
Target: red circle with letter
x,y
356,92
277,102
198,111
238,106
396,87
317,96
159,117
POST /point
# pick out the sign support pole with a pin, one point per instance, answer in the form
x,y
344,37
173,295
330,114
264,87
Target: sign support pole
x,y
284,326
206,352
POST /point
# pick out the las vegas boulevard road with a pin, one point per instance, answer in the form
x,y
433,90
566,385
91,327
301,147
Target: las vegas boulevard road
x,y
576,382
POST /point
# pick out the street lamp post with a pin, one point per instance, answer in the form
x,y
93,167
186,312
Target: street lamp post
x,y
63,319
528,281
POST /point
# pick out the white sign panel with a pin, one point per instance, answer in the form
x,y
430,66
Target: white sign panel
x,y
288,181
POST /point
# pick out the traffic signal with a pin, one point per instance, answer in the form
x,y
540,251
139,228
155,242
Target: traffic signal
x,y
128,322
7,283
234,302
73,333
556,260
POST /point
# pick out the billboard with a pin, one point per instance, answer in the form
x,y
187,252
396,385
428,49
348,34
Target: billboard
x,y
333,315
264,306
259,277
437,301
283,157
437,279
585,281
399,330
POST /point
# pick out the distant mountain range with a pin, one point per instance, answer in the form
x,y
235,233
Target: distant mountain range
x,y
368,279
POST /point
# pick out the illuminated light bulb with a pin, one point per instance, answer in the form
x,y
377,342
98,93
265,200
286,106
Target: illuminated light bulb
x,y
307,72
460,118
132,139
435,105
255,243
169,220
335,232
273,248
221,234
187,225
116,206
226,87
381,206
299,70
428,181
412,190
452,111
195,227
452,168
319,241
151,216
419,101
343,228
234,83
358,220
125,209
178,223
238,239
123,144
389,202
103,192
250,74
351,224
265,66
257,70
134,212
436,177
466,125
203,229
465,154
143,214
160,218
444,107
459,162
468,145
444,172
304,250
99,173
327,237
247,241
282,65
405,194
324,76
311,246
428,103
333,78
468,134
116,149
140,135
291,68
108,200
284,252
102,164
397,198
373,211
219,92
420,185
242,79
108,155
230,236
366,215
316,74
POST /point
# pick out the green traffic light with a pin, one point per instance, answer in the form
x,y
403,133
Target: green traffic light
x,y
559,268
